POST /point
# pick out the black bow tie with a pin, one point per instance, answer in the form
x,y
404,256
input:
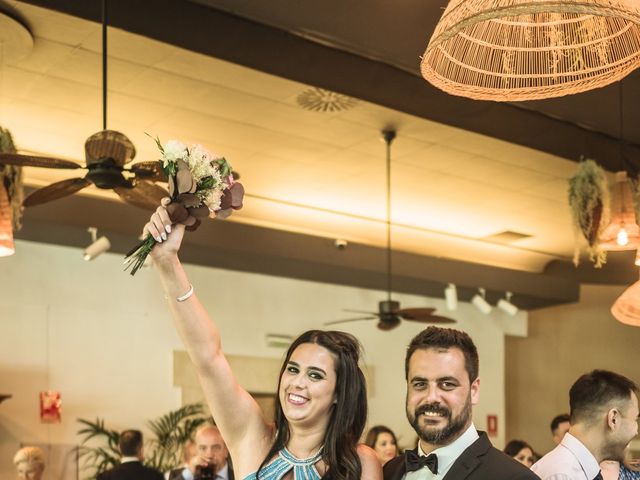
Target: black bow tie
x,y
598,476
414,462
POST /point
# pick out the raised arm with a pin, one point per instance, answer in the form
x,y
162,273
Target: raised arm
x,y
237,415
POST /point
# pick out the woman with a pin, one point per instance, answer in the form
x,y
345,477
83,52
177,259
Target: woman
x,y
29,462
321,407
383,441
520,451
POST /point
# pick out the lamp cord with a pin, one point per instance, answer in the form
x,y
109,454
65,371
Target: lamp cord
x,y
104,64
621,131
389,135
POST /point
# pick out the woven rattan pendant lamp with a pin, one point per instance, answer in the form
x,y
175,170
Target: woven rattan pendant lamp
x,y
512,50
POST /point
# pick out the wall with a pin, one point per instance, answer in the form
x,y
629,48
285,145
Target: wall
x,y
563,343
104,339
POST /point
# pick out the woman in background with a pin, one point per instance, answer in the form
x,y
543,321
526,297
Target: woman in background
x,y
383,441
29,462
520,451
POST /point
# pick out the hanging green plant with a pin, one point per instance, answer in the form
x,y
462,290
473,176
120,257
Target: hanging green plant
x,y
11,177
589,202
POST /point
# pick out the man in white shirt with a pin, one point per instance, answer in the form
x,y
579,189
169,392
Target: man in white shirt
x,y
441,368
603,417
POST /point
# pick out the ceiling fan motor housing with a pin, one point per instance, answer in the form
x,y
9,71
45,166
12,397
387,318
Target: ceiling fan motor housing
x,y
388,306
109,144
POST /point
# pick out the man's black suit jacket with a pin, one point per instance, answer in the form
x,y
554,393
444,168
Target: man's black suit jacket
x,y
480,461
131,471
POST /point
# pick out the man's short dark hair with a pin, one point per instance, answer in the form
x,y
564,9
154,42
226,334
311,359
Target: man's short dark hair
x,y
445,338
557,420
130,443
594,391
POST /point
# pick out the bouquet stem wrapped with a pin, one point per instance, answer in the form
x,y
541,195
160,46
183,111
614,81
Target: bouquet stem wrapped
x,y
201,185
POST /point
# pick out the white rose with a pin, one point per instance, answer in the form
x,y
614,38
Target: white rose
x,y
174,150
199,154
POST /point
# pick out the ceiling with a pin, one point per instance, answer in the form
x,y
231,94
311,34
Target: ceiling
x,y
227,74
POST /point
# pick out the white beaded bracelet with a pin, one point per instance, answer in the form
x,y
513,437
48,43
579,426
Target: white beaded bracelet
x,y
184,297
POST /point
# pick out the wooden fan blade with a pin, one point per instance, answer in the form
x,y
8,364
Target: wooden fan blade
x,y
144,194
415,313
359,311
36,161
423,315
347,320
150,170
55,191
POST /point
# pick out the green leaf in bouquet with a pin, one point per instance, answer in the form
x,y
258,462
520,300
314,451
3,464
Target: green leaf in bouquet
x,y
206,183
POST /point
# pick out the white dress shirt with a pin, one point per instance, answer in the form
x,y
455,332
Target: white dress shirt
x,y
570,460
447,455
128,459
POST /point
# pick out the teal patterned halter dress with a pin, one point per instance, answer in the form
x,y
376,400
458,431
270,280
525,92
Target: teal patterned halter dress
x,y
303,469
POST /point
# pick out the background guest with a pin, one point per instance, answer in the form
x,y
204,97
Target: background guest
x,y
383,441
521,451
131,467
183,473
559,426
29,462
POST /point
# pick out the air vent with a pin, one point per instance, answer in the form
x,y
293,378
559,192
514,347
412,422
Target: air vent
x,y
320,100
506,237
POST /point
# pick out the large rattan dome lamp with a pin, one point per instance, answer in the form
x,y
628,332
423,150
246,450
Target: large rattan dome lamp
x,y
512,50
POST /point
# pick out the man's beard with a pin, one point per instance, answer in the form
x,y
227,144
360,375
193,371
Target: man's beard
x,y
441,436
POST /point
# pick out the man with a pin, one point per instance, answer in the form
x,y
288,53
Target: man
x,y
211,452
559,426
603,416
131,468
441,369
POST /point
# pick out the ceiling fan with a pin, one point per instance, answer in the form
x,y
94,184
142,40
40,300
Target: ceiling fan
x,y
389,314
106,153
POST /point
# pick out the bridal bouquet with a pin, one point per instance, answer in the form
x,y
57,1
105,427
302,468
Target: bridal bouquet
x,y
201,185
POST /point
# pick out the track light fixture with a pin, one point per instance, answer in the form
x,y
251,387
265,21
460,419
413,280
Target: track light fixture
x,y
505,304
451,296
98,245
480,302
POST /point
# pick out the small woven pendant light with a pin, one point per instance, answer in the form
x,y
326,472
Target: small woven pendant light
x,y
512,50
6,229
623,232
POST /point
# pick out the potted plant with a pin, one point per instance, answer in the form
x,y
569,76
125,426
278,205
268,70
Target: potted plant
x,y
162,452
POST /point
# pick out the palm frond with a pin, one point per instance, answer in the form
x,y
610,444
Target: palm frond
x,y
163,451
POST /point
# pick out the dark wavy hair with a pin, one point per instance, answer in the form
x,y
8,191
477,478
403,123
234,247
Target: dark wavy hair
x,y
514,446
374,432
349,414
